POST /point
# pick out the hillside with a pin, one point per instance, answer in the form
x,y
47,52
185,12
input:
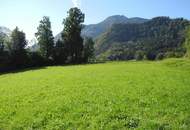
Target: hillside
x,y
115,95
159,37
94,30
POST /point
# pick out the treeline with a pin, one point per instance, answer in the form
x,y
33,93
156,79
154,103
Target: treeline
x,y
187,42
158,38
72,49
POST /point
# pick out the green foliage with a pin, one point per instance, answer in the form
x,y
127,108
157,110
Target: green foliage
x,y
187,41
2,52
4,55
59,54
139,55
159,35
71,35
160,56
112,96
1,44
88,49
45,38
18,41
14,55
16,47
35,59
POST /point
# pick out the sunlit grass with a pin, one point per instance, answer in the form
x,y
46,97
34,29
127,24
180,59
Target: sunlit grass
x,y
117,95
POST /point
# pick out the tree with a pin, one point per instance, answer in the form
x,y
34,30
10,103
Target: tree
x,y
1,49
187,41
71,35
88,49
16,47
59,54
45,38
1,44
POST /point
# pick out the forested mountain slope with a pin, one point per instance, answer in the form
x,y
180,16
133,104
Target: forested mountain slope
x,y
157,38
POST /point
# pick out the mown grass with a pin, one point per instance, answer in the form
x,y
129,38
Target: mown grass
x,y
117,95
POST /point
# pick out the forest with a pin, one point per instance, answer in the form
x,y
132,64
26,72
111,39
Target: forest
x,y
73,49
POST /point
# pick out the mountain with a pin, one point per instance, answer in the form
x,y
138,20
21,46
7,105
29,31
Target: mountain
x,y
57,37
33,46
95,30
158,37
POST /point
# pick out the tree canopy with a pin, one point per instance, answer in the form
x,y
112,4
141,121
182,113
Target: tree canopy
x,y
17,47
187,41
45,37
88,49
71,35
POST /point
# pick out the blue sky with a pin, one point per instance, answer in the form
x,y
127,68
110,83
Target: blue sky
x,y
26,14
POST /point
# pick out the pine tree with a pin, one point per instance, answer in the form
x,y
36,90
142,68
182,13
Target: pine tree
x,y
1,44
45,38
16,47
88,49
187,41
71,35
59,54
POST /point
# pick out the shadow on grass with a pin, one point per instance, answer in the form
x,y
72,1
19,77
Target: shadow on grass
x,y
18,70
12,70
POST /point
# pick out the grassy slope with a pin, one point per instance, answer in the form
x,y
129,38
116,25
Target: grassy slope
x,y
118,95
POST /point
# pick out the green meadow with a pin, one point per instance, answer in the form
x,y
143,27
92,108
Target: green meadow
x,y
130,95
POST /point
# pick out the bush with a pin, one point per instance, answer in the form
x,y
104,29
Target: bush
x,y
151,56
187,42
169,54
35,59
179,54
4,58
160,56
139,55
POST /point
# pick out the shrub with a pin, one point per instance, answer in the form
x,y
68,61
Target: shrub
x,y
139,55
35,59
160,56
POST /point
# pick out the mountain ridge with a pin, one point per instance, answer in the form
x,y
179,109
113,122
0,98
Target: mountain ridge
x,y
94,30
157,38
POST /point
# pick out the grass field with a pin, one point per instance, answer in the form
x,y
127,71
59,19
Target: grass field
x,y
116,95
